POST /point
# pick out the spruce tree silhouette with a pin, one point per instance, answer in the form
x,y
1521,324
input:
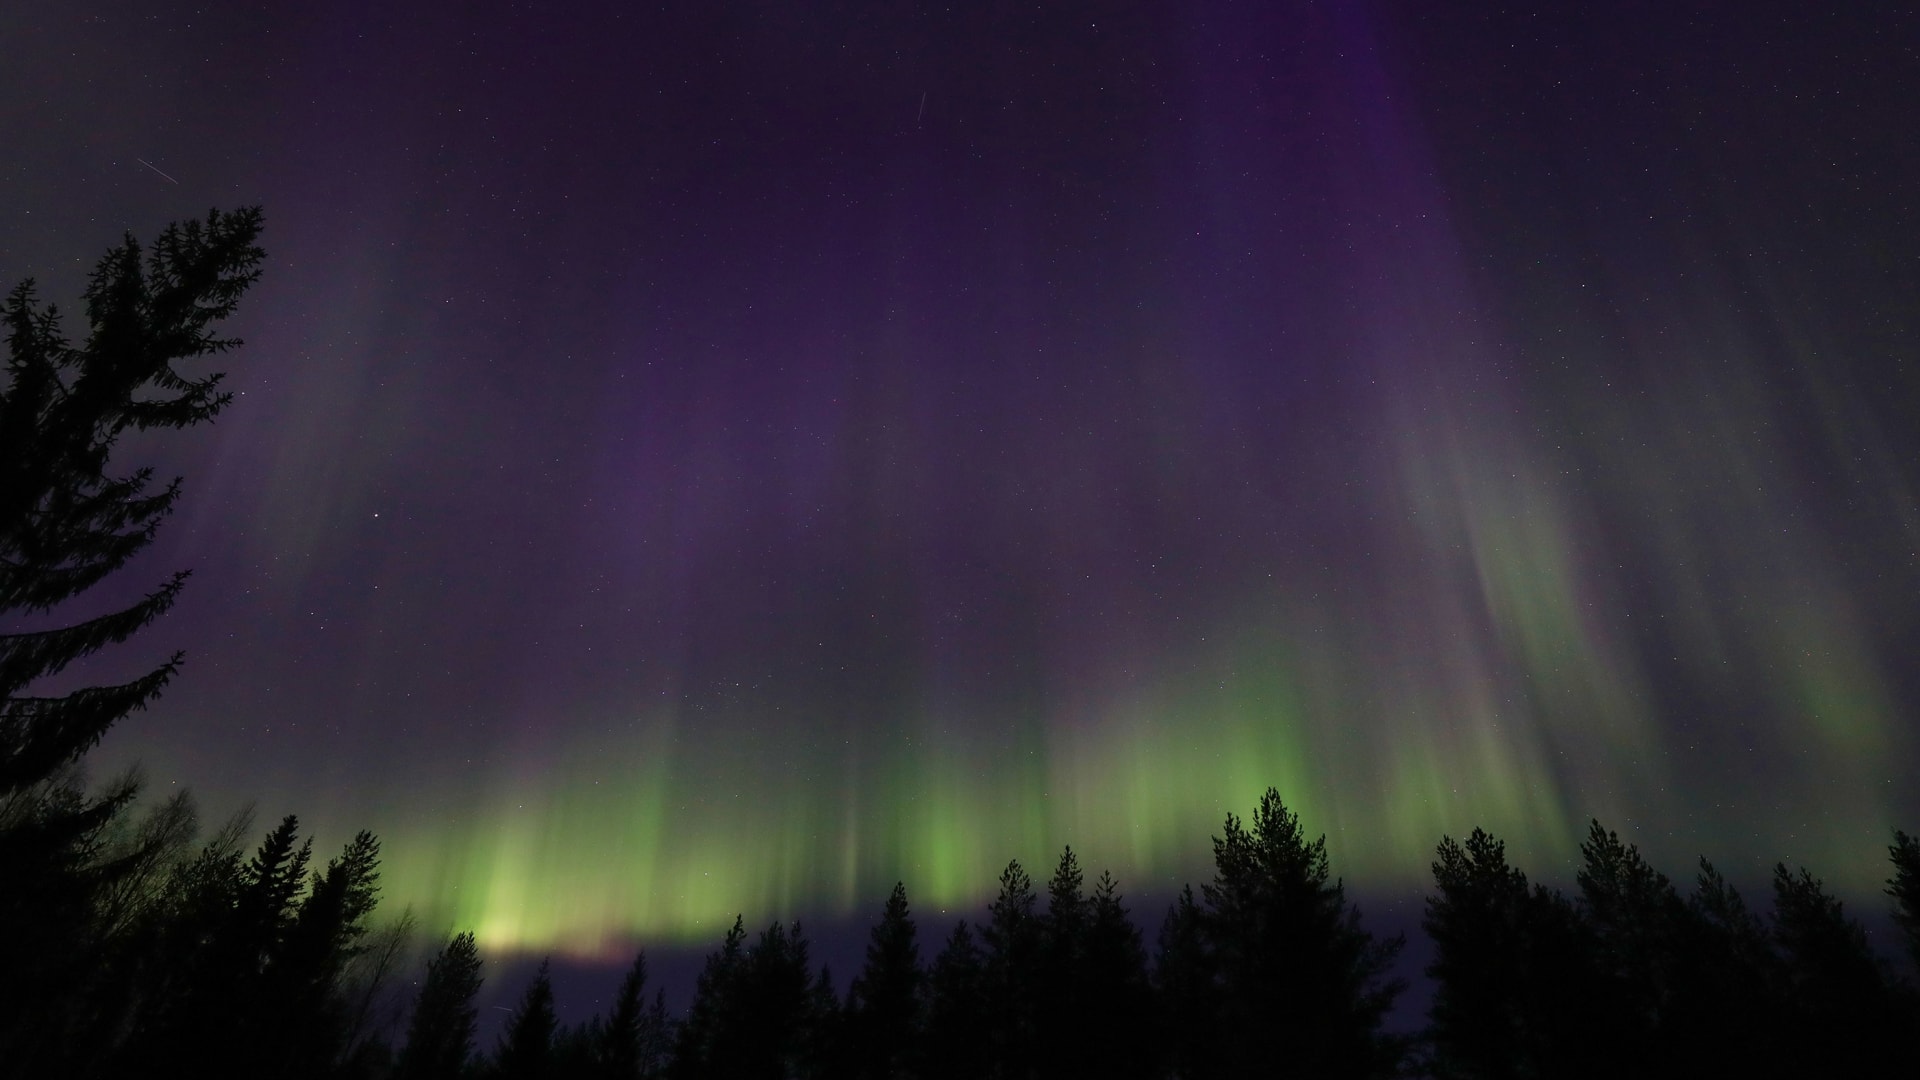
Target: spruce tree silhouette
x,y
709,1021
822,1031
781,1008
304,983
575,1054
220,1015
1013,940
1116,1036
1301,982
956,1046
1904,888
1187,990
250,968
633,1043
1061,1018
440,1033
757,1013
66,523
885,1003
250,954
526,1046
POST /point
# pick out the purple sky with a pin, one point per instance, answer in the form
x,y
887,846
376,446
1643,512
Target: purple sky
x,y
727,457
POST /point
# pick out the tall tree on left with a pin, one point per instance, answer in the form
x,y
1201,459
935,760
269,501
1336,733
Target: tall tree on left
x,y
68,520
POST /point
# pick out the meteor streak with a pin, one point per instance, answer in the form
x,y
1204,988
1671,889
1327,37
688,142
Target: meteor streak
x,y
156,168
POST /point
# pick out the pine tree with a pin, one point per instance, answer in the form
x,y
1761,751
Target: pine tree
x,y
440,1033
709,1019
1186,983
1013,941
1065,923
956,1045
1061,1020
246,969
526,1047
1635,916
66,523
323,939
1846,1010
1301,981
757,1012
1476,920
127,920
656,1038
884,1004
632,1043
1729,1000
1515,971
188,959
821,1039
575,1053
1116,1033
370,1010
225,1013
1904,888
782,1007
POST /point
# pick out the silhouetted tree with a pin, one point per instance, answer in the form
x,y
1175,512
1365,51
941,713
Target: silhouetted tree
x,y
1301,982
1728,1004
821,1030
709,1020
66,523
181,951
304,979
634,1041
440,1034
246,968
1845,1009
958,1011
1635,917
249,953
1013,943
1060,1020
575,1051
1529,984
656,1038
129,921
221,1013
1186,984
1478,1023
1904,888
1116,1032
526,1046
757,1012
1093,1013
372,1008
885,1008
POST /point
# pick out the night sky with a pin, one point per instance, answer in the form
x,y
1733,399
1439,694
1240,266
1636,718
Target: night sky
x,y
724,457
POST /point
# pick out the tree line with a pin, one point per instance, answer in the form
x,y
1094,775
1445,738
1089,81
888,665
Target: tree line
x,y
133,946
210,961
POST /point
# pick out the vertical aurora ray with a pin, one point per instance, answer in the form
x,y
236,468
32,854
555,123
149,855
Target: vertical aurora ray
x,y
1474,661
715,462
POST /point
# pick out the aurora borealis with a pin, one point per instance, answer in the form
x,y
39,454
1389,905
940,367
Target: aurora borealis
x,y
727,457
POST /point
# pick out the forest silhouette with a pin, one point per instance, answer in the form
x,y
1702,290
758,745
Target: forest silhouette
x,y
134,946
